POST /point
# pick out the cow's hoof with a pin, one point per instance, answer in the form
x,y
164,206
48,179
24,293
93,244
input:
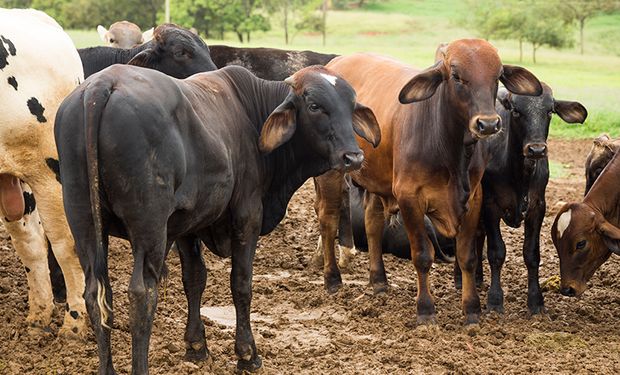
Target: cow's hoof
x,y
538,309
379,289
536,305
333,287
472,319
73,328
196,352
249,366
458,284
495,302
333,282
499,308
426,320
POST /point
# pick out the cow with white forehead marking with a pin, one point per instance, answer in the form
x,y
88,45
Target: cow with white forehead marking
x,y
586,234
31,89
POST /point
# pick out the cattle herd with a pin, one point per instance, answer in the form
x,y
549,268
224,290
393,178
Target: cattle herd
x,y
152,143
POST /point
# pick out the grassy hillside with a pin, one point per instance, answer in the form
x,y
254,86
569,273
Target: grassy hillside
x,y
410,30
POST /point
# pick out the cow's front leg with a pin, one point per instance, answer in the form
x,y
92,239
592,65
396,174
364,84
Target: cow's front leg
x,y
422,255
496,253
374,220
466,255
194,279
345,228
246,228
327,205
531,253
30,245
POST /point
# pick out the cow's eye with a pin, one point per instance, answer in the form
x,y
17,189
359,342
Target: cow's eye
x,y
516,113
112,40
313,107
456,78
179,53
581,245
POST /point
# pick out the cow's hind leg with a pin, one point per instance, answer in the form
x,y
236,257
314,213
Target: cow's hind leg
x,y
194,279
52,213
31,246
496,252
374,219
148,241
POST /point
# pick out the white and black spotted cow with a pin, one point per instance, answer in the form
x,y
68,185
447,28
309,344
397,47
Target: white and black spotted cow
x,y
39,66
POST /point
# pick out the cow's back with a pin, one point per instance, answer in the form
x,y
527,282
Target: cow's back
x,y
42,67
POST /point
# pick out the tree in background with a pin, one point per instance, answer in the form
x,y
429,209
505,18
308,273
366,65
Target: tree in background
x,y
537,22
297,15
580,10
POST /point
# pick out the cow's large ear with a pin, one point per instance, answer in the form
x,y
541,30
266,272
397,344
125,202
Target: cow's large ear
x,y
143,59
503,96
423,85
365,124
520,81
570,112
279,127
147,35
611,236
101,30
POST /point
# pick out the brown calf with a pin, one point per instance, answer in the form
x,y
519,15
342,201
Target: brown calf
x,y
586,234
428,161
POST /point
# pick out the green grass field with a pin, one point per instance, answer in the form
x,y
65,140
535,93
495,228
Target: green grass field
x,y
410,30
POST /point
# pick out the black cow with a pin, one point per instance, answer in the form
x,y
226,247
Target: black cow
x,y
515,180
268,63
394,239
173,50
215,157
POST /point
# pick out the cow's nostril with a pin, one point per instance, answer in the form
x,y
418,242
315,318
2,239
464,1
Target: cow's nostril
x,y
568,291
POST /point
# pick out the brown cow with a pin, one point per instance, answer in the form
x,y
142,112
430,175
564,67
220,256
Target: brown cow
x,y
603,149
586,234
428,161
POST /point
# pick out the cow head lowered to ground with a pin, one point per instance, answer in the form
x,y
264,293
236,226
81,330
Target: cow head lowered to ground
x,y
471,81
586,234
176,52
124,34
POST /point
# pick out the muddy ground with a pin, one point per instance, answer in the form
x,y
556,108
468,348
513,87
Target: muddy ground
x,y
300,329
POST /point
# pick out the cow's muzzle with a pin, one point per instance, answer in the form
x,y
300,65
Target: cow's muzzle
x,y
535,150
568,291
352,160
484,126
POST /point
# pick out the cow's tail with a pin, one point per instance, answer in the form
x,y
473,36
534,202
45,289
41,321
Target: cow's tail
x,y
95,99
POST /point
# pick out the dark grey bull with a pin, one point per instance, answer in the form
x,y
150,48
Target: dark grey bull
x,y
215,157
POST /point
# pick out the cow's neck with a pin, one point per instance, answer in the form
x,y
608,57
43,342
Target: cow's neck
x,y
95,59
288,166
604,195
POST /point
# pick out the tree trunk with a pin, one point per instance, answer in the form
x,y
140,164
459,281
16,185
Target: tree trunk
x,y
582,23
286,21
534,52
240,36
520,50
324,26
247,37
